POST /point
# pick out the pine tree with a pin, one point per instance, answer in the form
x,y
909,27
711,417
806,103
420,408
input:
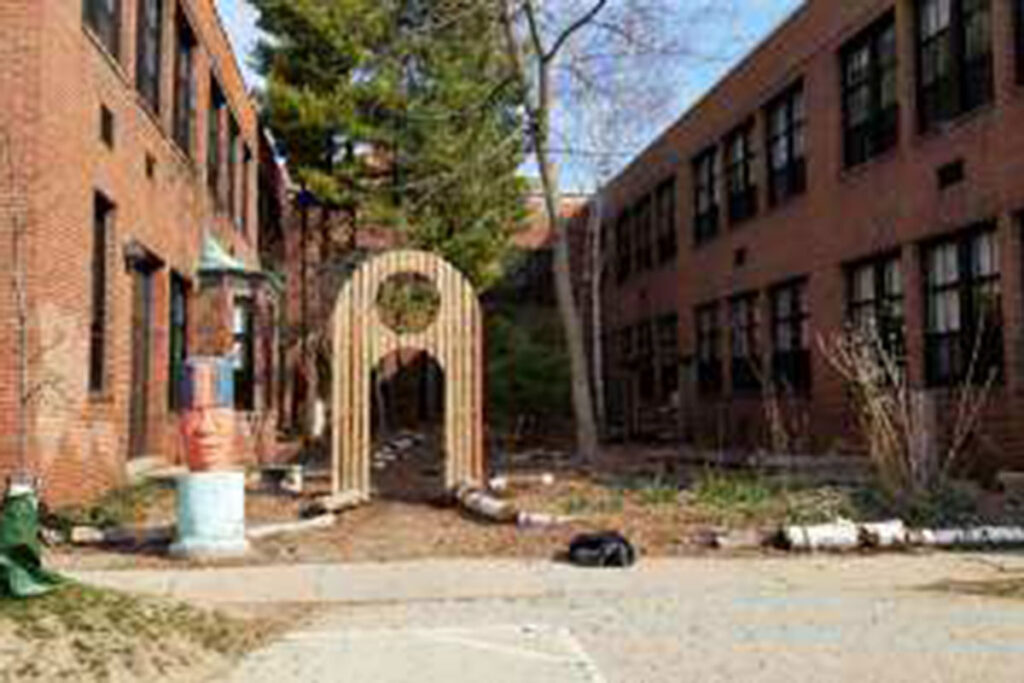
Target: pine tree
x,y
395,110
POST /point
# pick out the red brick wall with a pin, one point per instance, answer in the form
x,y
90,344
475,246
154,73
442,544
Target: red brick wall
x,y
80,440
890,202
20,48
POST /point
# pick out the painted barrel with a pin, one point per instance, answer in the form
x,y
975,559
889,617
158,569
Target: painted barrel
x,y
209,423
209,382
211,515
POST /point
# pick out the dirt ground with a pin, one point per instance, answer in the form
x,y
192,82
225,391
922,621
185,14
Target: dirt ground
x,y
664,509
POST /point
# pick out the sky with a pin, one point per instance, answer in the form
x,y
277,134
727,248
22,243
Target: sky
x,y
719,44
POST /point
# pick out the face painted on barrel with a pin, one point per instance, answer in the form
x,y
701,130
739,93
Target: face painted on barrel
x,y
209,434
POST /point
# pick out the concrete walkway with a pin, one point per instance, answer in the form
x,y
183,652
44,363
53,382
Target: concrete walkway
x,y
787,620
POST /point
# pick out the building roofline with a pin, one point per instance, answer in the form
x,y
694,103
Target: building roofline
x,y
691,111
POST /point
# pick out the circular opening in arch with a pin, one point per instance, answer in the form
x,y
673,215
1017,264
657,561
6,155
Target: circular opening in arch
x,y
408,302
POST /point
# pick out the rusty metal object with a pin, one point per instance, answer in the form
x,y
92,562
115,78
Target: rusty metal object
x,y
362,340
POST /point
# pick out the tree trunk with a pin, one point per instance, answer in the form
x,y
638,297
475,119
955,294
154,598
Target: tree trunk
x,y
538,115
582,399
596,276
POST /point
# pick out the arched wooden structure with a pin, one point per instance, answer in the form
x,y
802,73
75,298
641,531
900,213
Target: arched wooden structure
x,y
362,340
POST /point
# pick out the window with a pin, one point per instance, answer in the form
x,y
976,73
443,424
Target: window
x,y
668,352
233,149
745,366
705,192
739,174
1019,12
870,101
244,354
178,345
103,17
184,84
246,171
665,197
644,237
107,126
787,167
645,359
709,363
954,55
623,247
147,59
213,143
964,309
876,303
791,358
103,211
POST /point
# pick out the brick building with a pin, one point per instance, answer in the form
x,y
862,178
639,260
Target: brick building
x,y
865,164
133,148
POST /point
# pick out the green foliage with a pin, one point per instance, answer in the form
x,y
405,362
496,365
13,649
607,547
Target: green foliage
x,y
579,504
527,367
744,498
399,111
117,508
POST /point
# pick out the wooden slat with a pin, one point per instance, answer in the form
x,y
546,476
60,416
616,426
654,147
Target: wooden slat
x,y
361,341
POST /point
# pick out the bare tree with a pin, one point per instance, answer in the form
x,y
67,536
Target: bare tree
x,y
587,56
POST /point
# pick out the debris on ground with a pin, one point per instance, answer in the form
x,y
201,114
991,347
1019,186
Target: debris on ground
x,y
602,549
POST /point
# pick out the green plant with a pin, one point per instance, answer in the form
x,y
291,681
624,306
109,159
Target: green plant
x,y
119,507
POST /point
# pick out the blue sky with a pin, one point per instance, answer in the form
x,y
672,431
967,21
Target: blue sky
x,y
718,44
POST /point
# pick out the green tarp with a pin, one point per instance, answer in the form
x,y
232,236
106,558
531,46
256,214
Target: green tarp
x,y
21,568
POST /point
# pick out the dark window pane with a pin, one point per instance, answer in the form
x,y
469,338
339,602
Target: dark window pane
x,y
147,65
103,17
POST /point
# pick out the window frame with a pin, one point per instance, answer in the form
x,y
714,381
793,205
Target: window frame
x,y
963,76
668,355
880,131
791,368
788,180
740,183
104,23
706,214
708,356
886,307
666,204
215,157
185,45
1019,39
643,256
104,213
244,353
180,289
965,340
149,48
745,370
623,246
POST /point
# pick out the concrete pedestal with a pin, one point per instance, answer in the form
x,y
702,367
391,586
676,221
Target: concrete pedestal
x,y
211,515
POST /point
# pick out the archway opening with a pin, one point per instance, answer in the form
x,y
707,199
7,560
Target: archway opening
x,y
407,413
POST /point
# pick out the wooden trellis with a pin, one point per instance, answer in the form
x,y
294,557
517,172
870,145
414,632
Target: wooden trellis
x,y
362,340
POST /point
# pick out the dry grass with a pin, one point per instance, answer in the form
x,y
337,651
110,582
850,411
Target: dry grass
x,y
81,633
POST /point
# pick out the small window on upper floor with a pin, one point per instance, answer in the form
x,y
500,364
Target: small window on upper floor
x,y
739,173
787,166
103,17
705,195
871,117
954,56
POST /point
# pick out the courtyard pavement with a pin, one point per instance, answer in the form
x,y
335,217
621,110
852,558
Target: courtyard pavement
x,y
702,619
